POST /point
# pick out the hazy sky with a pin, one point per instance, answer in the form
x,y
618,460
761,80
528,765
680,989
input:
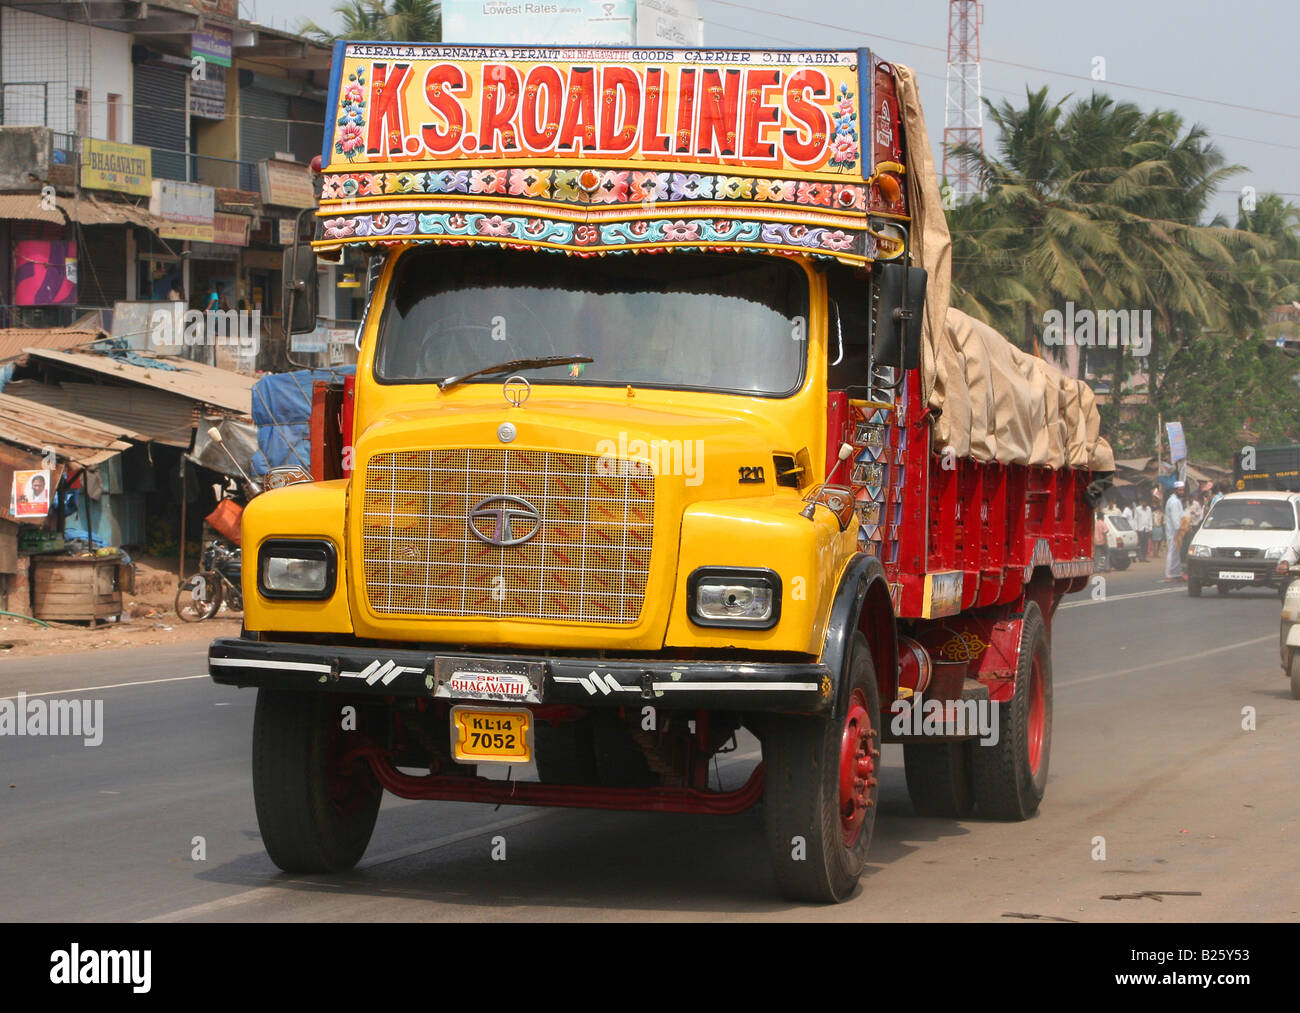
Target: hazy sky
x,y
1244,53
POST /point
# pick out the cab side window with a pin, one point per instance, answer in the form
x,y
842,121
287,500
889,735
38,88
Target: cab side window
x,y
848,292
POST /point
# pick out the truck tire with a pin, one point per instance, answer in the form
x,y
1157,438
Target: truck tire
x,y
821,788
1010,776
314,814
939,778
1293,669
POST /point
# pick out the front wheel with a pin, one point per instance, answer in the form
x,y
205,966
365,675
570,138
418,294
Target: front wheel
x,y
822,788
316,811
199,597
1011,774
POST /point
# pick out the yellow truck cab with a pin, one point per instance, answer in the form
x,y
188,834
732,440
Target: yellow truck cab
x,y
641,451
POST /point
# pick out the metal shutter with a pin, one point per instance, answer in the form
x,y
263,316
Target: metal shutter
x,y
306,130
160,117
101,265
263,130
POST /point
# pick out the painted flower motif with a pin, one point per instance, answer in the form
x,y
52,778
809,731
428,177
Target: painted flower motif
x,y
638,228
774,189
409,182
566,185
448,181
535,226
846,107
353,94
649,186
844,151
340,228
681,231
837,240
529,183
814,193
612,188
735,187
488,181
495,226
350,141
456,221
691,185
850,197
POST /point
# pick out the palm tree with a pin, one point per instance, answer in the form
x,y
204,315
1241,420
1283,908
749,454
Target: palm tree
x,y
371,20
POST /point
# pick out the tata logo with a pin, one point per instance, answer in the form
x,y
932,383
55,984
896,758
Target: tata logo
x,y
504,520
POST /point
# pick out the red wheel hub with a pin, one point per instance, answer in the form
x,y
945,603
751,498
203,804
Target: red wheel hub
x,y
1037,716
858,755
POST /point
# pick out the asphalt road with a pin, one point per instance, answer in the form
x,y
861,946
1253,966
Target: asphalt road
x,y
1149,753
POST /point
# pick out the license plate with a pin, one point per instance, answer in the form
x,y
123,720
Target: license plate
x,y
491,735
1235,575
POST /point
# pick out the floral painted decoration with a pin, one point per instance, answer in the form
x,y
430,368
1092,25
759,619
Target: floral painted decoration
x,y
352,116
844,142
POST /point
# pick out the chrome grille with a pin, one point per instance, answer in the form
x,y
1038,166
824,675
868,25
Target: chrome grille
x,y
588,561
1236,553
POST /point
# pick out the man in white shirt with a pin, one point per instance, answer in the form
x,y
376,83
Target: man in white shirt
x,y
1173,518
1142,523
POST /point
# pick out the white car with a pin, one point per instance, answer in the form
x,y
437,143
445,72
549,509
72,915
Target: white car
x,y
1248,539
1121,541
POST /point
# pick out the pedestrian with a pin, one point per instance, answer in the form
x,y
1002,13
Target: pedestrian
x,y
1127,513
1142,521
1173,529
175,293
1192,519
1157,525
1218,495
1101,558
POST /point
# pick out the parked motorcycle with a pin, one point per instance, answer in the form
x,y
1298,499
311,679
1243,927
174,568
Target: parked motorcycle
x,y
199,597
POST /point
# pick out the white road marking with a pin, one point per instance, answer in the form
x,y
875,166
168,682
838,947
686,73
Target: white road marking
x,y
113,685
1121,597
1167,661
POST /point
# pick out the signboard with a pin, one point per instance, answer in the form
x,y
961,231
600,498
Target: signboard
x,y
214,45
230,230
105,165
287,184
29,496
668,23
45,272
208,93
1177,442
288,231
780,112
574,22
316,341
188,210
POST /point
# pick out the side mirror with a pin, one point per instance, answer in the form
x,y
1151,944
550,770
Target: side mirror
x,y
300,291
900,309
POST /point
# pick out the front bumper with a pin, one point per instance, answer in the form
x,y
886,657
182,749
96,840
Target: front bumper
x,y
1263,571
568,681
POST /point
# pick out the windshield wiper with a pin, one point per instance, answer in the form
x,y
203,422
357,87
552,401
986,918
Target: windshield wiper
x,y
514,365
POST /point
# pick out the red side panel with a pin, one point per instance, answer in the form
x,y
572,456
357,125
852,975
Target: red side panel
x,y
349,412
319,412
837,432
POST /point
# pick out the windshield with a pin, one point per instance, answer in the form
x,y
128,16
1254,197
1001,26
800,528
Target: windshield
x,y
1252,514
732,323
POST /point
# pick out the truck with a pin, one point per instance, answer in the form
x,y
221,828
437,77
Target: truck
x,y
1275,468
663,440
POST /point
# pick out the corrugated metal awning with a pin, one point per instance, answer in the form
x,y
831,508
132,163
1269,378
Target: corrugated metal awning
x,y
155,415
193,380
14,339
29,207
90,210
76,438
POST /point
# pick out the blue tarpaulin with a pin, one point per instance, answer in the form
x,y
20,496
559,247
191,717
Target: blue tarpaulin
x,y
282,414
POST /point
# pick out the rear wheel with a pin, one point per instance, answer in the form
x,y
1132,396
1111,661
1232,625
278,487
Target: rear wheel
x,y
822,788
198,597
939,778
1119,560
316,812
1011,774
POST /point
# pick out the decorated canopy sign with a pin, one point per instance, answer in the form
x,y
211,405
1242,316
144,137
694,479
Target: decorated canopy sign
x,y
609,149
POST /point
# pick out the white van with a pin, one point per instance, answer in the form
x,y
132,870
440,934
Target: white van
x,y
1249,539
